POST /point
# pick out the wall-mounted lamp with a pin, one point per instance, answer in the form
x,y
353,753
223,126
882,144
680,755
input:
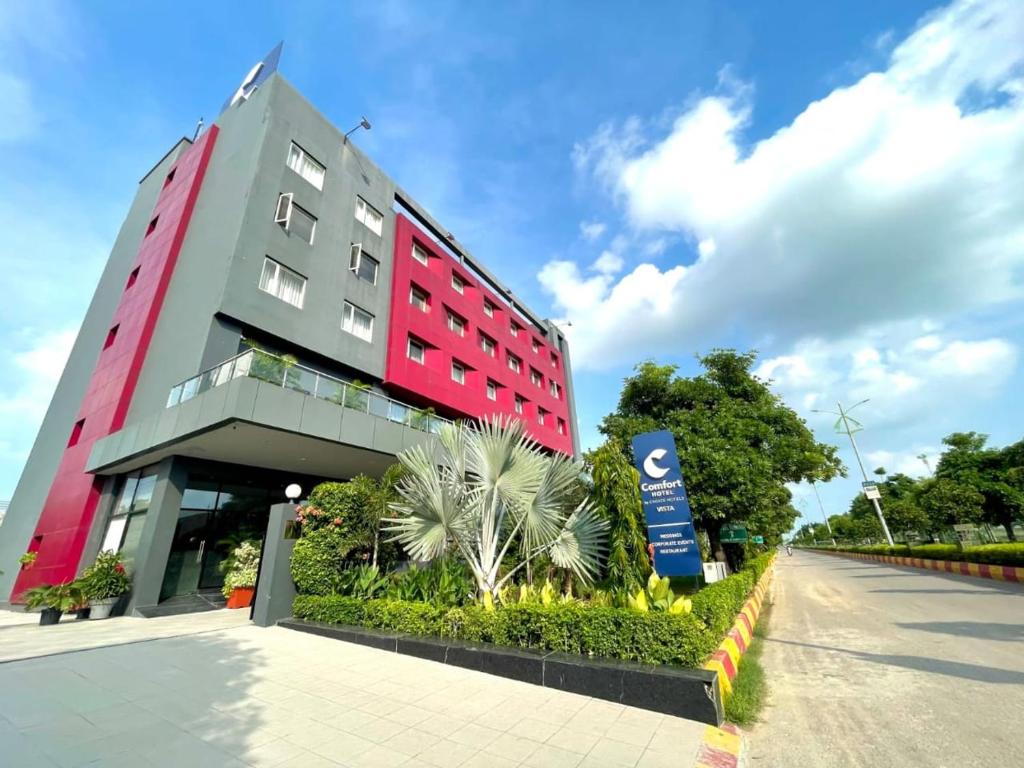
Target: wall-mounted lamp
x,y
364,124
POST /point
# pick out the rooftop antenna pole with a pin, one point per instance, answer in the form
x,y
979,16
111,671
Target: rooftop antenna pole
x,y
199,127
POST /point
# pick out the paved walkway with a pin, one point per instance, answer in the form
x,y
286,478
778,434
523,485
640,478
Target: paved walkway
x,y
871,665
232,697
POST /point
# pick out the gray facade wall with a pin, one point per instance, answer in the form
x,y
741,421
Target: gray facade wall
x,y
34,484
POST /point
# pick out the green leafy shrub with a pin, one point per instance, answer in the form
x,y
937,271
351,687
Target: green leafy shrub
x,y
105,578
61,597
992,554
445,582
574,627
320,561
242,567
718,604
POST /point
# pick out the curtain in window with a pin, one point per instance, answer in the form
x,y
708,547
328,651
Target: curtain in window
x,y
290,287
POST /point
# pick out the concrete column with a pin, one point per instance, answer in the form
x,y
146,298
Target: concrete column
x,y
158,533
274,588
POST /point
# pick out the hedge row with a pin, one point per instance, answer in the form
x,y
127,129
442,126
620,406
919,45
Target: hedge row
x,y
993,554
575,627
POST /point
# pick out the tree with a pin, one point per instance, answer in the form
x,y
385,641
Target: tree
x,y
948,503
739,443
492,490
617,494
995,474
900,504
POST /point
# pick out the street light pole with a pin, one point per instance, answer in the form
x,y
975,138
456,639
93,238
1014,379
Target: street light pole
x,y
845,419
821,506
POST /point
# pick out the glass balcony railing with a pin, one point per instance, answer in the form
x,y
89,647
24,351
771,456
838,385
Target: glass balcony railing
x,y
285,373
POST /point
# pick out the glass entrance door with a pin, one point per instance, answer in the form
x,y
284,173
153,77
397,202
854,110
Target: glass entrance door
x,y
188,549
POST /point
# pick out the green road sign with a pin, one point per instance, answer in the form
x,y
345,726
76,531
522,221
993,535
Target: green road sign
x,y
757,539
733,534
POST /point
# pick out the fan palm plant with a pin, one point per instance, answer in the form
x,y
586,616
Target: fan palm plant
x,y
491,487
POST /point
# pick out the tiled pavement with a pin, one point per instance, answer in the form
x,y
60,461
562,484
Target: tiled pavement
x,y
273,697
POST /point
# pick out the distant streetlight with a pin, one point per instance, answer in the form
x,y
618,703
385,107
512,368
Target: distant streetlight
x,y
821,506
843,427
364,124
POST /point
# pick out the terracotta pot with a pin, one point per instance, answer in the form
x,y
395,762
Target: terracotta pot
x,y
241,597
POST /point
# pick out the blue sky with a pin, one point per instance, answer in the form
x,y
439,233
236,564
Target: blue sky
x,y
833,184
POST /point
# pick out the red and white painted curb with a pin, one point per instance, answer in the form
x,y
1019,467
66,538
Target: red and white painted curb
x,y
979,570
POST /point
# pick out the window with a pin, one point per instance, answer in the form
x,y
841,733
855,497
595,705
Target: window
x,y
111,335
456,324
515,328
458,284
358,322
554,360
280,281
487,344
536,378
76,432
520,404
170,178
458,373
132,278
541,415
561,426
363,264
124,530
152,226
488,308
554,390
369,216
515,363
536,346
303,164
420,255
416,351
418,298
294,218
492,390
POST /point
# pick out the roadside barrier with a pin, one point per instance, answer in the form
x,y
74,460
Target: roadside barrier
x,y
980,570
725,661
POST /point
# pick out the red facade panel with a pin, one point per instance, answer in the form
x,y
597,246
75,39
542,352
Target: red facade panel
x,y
431,382
69,508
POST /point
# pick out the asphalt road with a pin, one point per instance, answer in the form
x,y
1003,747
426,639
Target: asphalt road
x,y
875,665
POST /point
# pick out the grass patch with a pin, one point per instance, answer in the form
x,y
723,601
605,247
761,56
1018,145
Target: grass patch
x,y
749,687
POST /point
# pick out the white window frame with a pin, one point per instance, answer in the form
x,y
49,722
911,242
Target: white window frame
x,y
348,325
421,303
317,182
520,405
284,218
492,390
554,360
513,328
514,363
458,284
355,260
536,345
274,281
420,255
555,390
488,345
460,370
488,308
418,345
561,426
536,378
363,208
456,324
541,415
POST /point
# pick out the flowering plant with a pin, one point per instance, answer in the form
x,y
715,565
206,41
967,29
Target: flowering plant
x,y
244,570
105,578
313,518
28,559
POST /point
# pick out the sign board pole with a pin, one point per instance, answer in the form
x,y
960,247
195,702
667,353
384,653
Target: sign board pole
x,y
666,506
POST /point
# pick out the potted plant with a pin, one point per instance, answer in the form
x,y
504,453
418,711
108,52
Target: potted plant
x,y
104,582
54,599
241,570
28,560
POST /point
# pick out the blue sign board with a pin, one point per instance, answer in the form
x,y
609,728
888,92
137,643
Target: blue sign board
x,y
669,522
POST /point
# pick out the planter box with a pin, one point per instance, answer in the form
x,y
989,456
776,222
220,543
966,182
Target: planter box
x,y
241,597
690,693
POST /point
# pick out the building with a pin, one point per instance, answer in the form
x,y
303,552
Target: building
x,y
275,309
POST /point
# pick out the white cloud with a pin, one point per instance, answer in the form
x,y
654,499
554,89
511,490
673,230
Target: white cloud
x,y
905,382
906,462
894,198
608,263
592,230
